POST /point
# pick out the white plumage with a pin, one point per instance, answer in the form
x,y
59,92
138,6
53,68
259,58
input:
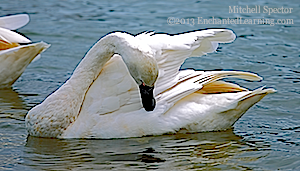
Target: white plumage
x,y
14,57
101,99
13,22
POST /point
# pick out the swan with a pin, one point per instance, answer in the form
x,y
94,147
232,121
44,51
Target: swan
x,y
131,86
16,51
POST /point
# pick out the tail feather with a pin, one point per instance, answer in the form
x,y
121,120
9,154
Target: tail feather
x,y
222,110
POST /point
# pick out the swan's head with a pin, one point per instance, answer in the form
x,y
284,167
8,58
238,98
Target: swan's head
x,y
145,77
144,71
140,61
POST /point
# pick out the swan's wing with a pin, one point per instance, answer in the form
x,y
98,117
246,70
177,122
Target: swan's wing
x,y
172,50
12,37
113,91
14,22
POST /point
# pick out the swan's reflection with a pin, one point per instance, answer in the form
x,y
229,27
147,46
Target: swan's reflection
x,y
12,131
182,151
12,105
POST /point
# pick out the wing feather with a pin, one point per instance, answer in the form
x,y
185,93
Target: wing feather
x,y
13,22
172,50
12,37
191,81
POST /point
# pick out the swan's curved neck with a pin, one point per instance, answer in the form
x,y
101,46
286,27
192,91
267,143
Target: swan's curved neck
x,y
91,65
136,56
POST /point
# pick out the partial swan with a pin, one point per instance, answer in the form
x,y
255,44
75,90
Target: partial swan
x,y
16,51
103,97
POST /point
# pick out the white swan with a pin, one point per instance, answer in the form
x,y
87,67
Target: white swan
x,y
16,51
102,100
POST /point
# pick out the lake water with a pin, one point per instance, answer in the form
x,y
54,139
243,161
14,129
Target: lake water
x,y
267,137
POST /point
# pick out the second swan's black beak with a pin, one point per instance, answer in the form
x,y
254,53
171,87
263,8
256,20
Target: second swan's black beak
x,y
147,97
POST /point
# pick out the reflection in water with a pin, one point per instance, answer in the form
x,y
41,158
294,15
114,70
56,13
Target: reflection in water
x,y
11,105
12,112
179,151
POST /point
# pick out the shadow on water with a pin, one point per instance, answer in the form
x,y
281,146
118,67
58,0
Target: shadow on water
x,y
212,150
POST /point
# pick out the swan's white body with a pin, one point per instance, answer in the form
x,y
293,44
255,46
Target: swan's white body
x,y
14,58
101,99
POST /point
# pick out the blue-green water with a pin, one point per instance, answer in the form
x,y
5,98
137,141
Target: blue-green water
x,y
267,137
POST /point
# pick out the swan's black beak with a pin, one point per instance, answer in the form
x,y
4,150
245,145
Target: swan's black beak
x,y
147,97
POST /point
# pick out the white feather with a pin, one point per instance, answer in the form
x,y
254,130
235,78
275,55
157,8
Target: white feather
x,y
13,22
172,51
12,37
